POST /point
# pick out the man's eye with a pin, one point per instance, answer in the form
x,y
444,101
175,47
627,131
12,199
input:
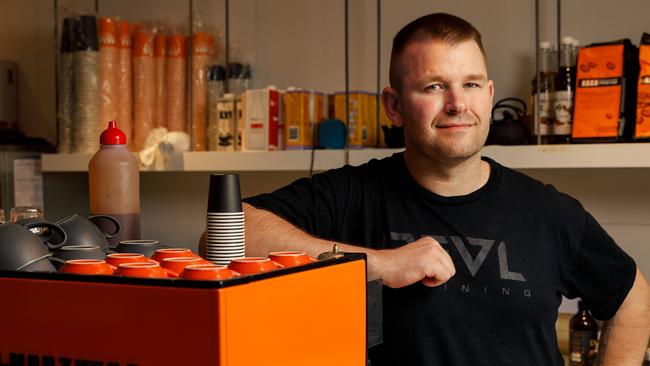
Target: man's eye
x,y
435,87
472,85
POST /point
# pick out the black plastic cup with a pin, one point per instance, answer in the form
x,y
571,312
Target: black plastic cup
x,y
224,194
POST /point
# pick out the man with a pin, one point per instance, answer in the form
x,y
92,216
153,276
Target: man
x,y
475,256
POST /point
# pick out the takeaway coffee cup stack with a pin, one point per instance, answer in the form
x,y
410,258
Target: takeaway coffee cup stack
x,y
225,220
85,129
66,86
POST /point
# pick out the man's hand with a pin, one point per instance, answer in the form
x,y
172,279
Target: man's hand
x,y
423,260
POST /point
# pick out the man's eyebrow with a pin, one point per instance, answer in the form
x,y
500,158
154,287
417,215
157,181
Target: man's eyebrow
x,y
476,77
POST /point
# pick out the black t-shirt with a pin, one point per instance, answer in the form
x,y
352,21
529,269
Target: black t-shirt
x,y
518,246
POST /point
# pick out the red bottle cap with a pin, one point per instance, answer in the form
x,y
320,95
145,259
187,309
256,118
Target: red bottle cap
x,y
112,135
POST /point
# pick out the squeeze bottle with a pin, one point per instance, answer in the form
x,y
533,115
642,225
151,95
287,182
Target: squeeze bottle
x,y
114,185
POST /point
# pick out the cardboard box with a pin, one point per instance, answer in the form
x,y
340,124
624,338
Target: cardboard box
x,y
261,127
362,127
642,131
222,133
606,78
301,113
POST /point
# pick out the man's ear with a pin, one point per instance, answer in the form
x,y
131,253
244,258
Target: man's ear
x,y
392,107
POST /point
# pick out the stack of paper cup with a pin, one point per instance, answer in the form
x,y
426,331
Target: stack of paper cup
x,y
175,78
202,49
66,86
85,127
108,66
143,87
159,52
225,220
125,82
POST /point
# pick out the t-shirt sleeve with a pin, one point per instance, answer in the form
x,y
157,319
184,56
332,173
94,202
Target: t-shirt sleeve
x,y
601,273
316,205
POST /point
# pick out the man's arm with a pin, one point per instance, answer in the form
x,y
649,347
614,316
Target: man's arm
x,y
630,328
423,260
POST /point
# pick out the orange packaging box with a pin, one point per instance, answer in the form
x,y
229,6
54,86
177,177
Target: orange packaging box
x,y
314,314
261,116
642,130
362,127
601,111
302,111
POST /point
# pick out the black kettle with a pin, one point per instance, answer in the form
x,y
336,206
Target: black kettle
x,y
510,129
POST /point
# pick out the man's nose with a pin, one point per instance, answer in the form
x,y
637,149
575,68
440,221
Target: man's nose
x,y
455,102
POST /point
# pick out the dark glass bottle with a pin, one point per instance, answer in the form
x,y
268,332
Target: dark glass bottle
x,y
583,338
565,83
543,103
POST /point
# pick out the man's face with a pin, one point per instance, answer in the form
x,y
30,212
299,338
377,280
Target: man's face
x,y
445,100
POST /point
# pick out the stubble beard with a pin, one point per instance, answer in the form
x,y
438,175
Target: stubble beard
x,y
447,149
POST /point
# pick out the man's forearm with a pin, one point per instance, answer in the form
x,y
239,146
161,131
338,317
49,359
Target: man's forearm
x,y
266,232
423,260
630,328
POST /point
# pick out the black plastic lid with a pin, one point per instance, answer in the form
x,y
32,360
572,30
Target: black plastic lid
x,y
67,34
235,70
219,72
247,72
86,35
216,73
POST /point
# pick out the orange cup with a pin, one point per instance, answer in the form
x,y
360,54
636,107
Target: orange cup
x,y
87,267
143,270
116,259
161,254
291,259
207,272
176,265
252,265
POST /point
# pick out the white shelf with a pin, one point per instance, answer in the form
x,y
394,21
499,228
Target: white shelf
x,y
624,155
65,162
70,163
288,160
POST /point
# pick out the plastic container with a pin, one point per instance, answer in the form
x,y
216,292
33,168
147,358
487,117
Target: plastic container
x,y
114,184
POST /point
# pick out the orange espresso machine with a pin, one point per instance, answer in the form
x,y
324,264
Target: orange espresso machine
x,y
314,314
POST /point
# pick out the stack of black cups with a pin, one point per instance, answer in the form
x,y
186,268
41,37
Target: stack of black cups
x,y
225,220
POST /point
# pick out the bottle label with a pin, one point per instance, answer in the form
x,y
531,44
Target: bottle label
x,y
583,347
545,112
563,109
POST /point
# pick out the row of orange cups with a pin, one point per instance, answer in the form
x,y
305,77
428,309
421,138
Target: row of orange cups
x,y
183,263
